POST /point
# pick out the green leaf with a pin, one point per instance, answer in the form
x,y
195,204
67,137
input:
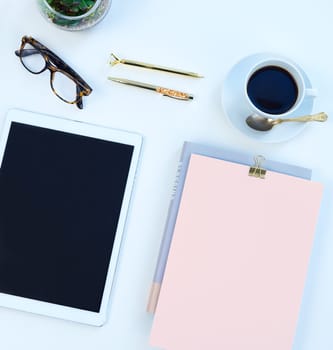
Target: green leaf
x,y
72,7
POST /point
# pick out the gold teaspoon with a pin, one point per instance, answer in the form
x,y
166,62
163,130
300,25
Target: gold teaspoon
x,y
261,123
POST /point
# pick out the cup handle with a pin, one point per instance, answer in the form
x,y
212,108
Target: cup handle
x,y
311,92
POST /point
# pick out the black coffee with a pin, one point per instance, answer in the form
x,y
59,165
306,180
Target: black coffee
x,y
272,89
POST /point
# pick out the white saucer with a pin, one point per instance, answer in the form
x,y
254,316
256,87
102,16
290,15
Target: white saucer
x,y
237,112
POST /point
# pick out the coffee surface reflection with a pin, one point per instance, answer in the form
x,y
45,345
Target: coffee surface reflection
x,y
272,90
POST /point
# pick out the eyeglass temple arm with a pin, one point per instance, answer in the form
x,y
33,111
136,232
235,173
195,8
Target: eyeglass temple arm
x,y
79,102
62,65
26,52
29,52
57,60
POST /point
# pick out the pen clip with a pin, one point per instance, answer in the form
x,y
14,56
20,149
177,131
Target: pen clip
x,y
114,60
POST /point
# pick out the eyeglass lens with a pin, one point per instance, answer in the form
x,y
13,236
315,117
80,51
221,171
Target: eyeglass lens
x,y
62,85
32,59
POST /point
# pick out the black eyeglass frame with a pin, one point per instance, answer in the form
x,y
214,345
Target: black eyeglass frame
x,y
54,64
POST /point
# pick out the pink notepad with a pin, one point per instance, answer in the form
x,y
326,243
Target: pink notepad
x,y
238,260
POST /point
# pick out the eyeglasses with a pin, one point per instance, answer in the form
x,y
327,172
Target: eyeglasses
x,y
64,81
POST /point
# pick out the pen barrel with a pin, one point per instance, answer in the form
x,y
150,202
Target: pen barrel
x,y
174,93
159,68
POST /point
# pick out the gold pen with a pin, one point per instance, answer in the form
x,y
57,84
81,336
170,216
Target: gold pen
x,y
179,95
115,60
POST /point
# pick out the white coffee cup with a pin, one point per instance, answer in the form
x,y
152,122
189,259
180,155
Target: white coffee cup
x,y
288,68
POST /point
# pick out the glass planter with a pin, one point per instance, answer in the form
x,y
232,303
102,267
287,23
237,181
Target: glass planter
x,y
68,22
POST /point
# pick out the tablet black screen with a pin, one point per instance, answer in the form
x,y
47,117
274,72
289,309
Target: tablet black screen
x,y
60,200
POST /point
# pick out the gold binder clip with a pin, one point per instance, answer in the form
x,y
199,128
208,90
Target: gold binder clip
x,y
256,170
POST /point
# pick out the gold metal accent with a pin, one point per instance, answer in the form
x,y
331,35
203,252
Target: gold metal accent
x,y
134,83
256,170
116,60
318,117
179,95
174,93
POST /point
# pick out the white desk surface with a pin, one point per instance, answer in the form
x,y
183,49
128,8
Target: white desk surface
x,y
207,37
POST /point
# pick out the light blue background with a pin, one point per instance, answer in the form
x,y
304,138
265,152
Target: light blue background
x,y
207,37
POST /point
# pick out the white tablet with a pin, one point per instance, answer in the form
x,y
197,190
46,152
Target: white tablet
x,y
65,188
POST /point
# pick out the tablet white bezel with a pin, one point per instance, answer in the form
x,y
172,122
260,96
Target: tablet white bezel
x,y
90,130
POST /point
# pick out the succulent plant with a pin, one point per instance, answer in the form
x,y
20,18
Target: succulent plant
x,y
72,7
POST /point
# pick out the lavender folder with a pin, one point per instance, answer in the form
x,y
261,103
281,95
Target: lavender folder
x,y
224,154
